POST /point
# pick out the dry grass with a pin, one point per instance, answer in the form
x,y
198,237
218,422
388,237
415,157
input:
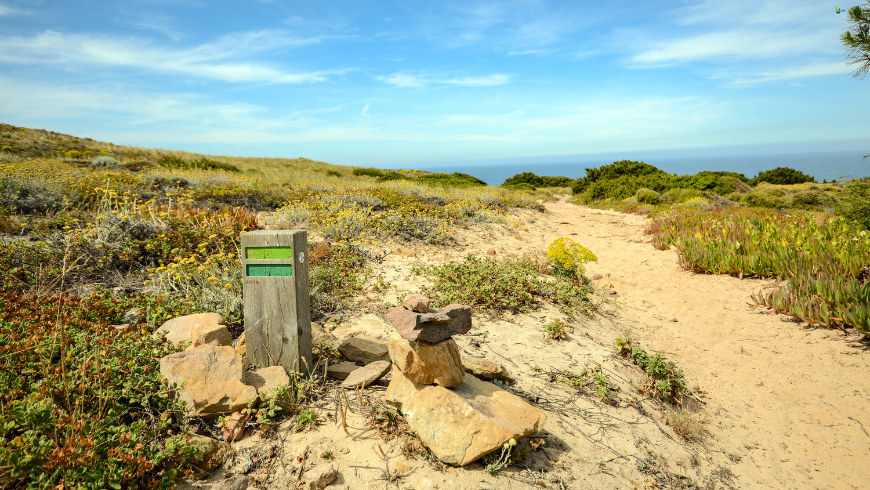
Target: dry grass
x,y
688,424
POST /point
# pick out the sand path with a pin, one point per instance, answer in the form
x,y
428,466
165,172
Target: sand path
x,y
791,399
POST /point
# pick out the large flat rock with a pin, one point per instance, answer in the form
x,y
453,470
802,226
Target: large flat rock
x,y
466,422
433,326
196,330
364,349
214,376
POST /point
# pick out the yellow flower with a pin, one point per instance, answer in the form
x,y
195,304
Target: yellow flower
x,y
231,256
212,237
212,279
201,268
228,286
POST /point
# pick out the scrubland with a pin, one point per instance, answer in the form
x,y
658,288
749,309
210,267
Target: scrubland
x,y
91,230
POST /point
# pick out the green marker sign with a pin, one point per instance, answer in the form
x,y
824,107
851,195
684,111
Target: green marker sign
x,y
269,270
269,253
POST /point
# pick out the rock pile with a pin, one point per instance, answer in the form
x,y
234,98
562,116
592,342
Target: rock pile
x,y
459,417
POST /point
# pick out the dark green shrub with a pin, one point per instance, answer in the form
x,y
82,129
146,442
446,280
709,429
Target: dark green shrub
x,y
781,176
368,172
536,181
809,199
455,179
854,203
647,196
200,164
523,186
388,176
333,173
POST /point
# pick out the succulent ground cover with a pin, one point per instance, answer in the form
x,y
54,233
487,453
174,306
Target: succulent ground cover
x,y
824,260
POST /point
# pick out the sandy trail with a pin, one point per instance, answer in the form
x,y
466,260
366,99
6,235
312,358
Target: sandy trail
x,y
789,397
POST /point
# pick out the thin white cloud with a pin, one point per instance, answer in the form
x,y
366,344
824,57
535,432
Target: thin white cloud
x,y
521,52
407,80
487,81
739,43
814,70
218,60
365,109
7,11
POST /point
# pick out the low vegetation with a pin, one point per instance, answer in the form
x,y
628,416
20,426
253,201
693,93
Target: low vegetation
x,y
822,259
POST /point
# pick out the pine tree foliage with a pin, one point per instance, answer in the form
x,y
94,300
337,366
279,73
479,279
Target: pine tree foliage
x,y
857,39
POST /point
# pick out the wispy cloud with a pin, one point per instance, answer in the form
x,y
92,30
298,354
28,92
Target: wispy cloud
x,y
814,70
407,80
220,60
6,11
365,109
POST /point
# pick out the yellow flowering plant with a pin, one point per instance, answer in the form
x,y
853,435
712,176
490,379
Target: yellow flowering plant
x,y
567,258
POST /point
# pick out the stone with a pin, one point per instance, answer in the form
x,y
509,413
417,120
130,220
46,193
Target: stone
x,y
233,428
267,379
133,316
341,370
364,376
321,336
214,376
463,423
235,482
364,349
416,302
207,327
369,325
426,363
319,477
216,452
436,325
241,348
597,276
490,251
486,369
404,251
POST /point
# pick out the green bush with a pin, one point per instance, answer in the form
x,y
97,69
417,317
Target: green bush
x,y
781,176
678,195
333,173
854,204
647,196
522,186
388,176
73,154
536,181
767,198
510,285
102,162
456,179
82,407
199,164
368,172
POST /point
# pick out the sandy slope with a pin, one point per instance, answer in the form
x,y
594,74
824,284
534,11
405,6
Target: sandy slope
x,y
785,402
791,398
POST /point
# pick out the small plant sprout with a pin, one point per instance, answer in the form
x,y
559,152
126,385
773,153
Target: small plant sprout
x,y
557,329
494,464
308,418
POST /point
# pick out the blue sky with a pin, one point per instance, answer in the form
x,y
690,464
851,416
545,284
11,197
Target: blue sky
x,y
387,83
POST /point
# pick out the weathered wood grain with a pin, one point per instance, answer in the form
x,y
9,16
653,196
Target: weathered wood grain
x,y
276,309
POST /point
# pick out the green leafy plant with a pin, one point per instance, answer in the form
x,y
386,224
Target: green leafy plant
x,y
307,418
665,381
567,258
368,172
557,329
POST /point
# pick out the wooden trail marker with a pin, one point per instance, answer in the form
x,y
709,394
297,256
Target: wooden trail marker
x,y
277,312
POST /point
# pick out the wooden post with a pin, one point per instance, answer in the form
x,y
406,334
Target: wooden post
x,y
277,312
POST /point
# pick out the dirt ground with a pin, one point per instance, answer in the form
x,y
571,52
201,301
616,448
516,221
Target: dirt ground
x,y
785,404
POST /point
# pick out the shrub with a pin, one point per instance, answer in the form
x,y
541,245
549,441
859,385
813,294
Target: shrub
x,y
333,173
763,199
510,285
456,179
201,164
665,381
102,162
854,204
536,181
388,176
5,148
647,196
73,154
523,186
679,195
567,258
781,176
368,172
80,406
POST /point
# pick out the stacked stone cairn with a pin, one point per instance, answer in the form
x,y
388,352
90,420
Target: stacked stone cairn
x,y
459,417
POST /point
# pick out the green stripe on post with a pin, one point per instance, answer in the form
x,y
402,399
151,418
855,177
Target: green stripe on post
x,y
267,253
269,270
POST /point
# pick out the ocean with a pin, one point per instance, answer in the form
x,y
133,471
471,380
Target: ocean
x,y
828,166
